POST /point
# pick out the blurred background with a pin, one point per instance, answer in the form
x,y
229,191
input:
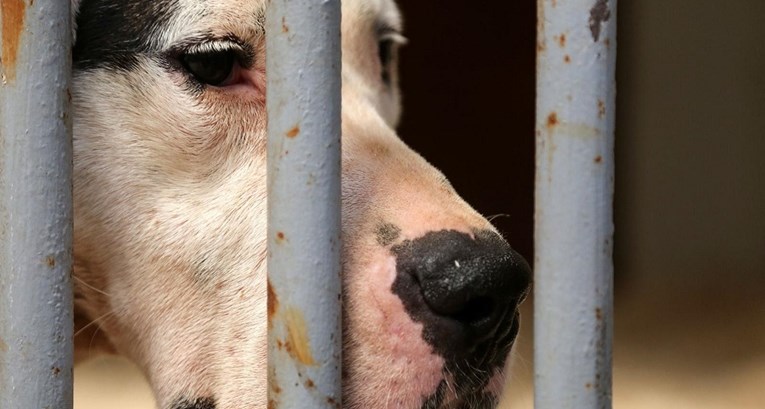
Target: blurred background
x,y
690,185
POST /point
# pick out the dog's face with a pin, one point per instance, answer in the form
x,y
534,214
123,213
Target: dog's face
x,y
170,216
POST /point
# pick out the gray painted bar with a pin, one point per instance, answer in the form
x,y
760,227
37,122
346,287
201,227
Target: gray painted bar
x,y
573,293
35,206
303,100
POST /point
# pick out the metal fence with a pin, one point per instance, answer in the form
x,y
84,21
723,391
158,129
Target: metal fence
x,y
575,167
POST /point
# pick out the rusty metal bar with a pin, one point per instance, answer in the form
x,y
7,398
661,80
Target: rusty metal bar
x,y
35,206
304,283
574,196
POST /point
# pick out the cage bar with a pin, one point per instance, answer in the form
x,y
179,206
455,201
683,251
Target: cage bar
x,y
35,206
304,283
576,57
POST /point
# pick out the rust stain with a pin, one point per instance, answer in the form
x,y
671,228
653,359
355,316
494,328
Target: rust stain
x,y
299,345
50,261
578,130
12,13
567,58
601,109
309,383
295,131
562,40
598,159
588,385
271,404
599,14
598,314
552,120
273,303
285,27
3,346
541,39
280,237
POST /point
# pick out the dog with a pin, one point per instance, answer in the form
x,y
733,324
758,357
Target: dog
x,y
170,217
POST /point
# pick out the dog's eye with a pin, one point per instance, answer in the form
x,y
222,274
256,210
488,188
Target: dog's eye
x,y
389,40
213,68
385,50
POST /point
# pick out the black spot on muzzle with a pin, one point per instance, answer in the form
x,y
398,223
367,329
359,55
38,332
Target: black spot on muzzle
x,y
387,233
199,403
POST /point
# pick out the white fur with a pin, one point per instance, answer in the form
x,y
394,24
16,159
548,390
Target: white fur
x,y
170,221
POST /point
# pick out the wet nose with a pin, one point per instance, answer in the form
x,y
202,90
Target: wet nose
x,y
464,289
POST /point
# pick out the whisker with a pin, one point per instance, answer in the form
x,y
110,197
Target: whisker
x,y
494,216
91,323
81,281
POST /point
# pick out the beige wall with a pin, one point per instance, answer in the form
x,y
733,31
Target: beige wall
x,y
691,143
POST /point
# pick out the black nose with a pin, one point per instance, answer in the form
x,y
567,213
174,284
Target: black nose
x,y
464,290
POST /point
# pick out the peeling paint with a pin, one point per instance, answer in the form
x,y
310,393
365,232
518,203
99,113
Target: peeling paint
x,y
599,13
541,39
579,130
12,13
285,27
601,109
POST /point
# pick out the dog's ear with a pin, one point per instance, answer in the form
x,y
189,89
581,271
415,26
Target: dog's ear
x,y
75,8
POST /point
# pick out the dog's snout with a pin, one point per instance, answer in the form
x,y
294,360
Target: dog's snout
x,y
464,289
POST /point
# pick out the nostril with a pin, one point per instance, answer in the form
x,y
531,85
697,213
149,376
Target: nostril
x,y
475,312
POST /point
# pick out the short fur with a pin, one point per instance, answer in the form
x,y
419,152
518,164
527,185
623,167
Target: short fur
x,y
170,209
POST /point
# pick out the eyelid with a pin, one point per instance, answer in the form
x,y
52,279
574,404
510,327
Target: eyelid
x,y
387,32
209,44
394,37
214,46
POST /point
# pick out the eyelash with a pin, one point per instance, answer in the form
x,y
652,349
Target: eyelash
x,y
211,63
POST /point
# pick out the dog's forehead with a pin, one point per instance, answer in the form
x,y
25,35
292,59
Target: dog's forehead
x,y
378,11
113,32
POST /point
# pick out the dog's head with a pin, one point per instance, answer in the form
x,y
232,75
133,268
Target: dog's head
x,y
170,224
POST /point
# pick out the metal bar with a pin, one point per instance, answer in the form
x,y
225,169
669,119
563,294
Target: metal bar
x,y
304,287
573,293
35,206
